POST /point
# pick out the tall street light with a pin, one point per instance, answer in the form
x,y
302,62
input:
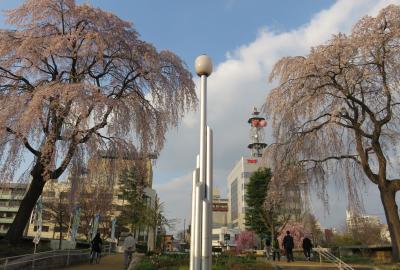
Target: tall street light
x,y
200,250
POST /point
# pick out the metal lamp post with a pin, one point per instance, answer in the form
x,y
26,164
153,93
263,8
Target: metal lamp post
x,y
200,246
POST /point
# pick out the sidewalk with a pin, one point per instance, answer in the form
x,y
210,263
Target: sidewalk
x,y
109,262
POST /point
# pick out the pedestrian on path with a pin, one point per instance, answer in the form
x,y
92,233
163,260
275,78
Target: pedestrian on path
x,y
267,248
288,245
129,248
307,246
95,253
275,249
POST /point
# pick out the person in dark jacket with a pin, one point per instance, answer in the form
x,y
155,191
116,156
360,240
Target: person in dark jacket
x,y
288,245
96,249
307,246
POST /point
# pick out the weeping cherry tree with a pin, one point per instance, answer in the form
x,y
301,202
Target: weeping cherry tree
x,y
74,80
336,112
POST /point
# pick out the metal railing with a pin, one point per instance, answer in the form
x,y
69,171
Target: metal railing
x,y
49,259
325,254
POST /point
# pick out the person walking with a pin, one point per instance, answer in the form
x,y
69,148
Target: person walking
x,y
129,248
275,250
95,253
267,248
288,245
307,246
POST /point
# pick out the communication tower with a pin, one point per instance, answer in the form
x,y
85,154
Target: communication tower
x,y
257,125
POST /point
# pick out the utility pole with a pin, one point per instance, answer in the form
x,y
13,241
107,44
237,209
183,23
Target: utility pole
x,y
60,221
184,228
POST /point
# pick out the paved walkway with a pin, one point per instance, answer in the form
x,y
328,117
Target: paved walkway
x,y
109,262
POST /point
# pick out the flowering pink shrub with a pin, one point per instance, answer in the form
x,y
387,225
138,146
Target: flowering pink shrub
x,y
245,240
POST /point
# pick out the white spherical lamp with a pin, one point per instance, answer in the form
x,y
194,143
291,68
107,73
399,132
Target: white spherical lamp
x,y
203,65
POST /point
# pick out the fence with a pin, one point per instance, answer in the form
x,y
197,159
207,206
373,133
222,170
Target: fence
x,y
49,260
324,253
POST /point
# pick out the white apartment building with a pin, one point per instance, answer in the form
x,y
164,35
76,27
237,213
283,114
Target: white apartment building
x,y
237,181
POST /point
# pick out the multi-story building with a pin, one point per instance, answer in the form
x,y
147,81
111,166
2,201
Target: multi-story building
x,y
219,209
353,220
11,195
53,209
237,182
224,237
58,199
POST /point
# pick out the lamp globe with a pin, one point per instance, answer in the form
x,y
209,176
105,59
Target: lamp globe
x,y
203,65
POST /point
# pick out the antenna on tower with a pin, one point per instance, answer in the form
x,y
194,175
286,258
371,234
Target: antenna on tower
x,y
257,125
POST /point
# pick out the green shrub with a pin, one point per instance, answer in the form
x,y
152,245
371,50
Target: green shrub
x,y
144,265
181,262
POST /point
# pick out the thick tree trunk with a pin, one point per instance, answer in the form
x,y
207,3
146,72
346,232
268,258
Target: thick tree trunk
x,y
388,198
17,228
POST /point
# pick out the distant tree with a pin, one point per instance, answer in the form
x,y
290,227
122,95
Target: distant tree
x,y
95,200
245,240
311,226
134,211
279,207
157,220
57,211
75,79
256,193
343,239
337,110
368,233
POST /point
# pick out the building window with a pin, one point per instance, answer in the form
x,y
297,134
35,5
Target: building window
x,y
14,203
215,237
17,192
49,194
57,229
246,174
44,228
234,199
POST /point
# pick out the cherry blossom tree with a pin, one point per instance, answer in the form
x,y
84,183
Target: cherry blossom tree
x,y
74,80
245,240
336,112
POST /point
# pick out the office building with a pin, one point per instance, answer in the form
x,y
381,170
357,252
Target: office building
x,y
237,182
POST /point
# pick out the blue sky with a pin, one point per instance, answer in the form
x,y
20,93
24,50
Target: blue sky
x,y
244,38
212,26
209,26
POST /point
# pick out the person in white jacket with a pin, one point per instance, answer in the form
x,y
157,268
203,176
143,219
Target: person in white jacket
x,y
129,248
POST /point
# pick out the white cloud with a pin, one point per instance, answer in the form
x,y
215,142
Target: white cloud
x,y
238,84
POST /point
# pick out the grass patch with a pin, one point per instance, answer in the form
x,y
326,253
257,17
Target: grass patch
x,y
388,266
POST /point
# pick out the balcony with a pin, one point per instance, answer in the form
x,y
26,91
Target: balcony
x,y
11,197
6,220
13,209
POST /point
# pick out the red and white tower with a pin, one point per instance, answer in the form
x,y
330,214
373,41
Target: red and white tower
x,y
257,137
